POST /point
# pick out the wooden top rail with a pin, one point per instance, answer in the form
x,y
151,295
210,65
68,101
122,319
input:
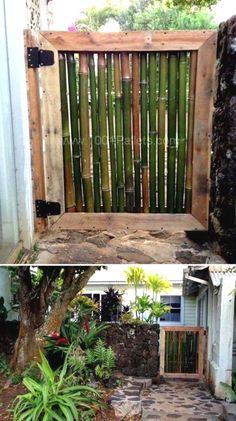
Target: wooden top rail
x,y
127,41
182,328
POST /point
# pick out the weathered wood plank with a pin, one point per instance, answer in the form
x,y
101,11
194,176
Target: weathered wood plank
x,y
114,221
203,130
182,375
182,328
162,351
201,352
52,130
35,125
127,41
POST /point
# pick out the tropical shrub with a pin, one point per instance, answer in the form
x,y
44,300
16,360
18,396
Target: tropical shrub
x,y
53,398
157,310
230,390
111,305
142,305
102,359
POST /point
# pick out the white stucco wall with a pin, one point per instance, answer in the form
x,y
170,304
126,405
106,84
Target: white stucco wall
x,y
5,291
220,341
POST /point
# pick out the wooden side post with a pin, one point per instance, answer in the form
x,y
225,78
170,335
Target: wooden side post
x,y
162,351
52,129
36,139
203,130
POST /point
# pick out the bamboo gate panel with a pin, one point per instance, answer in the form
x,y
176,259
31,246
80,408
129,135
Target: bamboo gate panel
x,y
123,131
183,351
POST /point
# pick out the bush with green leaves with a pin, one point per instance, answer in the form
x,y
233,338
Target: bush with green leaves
x,y
230,390
53,398
102,359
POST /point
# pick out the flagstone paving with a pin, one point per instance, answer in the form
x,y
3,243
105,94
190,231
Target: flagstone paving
x,y
183,400
127,246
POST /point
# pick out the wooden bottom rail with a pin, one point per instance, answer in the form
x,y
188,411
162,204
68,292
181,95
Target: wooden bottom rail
x,y
116,221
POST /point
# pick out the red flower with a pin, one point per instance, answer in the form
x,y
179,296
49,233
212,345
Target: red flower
x,y
86,324
54,335
61,341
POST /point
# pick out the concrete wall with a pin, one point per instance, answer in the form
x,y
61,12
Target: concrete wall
x,y
223,170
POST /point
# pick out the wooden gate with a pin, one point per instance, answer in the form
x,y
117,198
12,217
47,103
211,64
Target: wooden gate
x,y
183,352
121,128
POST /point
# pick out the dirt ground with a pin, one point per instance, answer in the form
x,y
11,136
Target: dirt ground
x,y
129,246
7,396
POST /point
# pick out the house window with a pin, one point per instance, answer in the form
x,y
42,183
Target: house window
x,y
175,314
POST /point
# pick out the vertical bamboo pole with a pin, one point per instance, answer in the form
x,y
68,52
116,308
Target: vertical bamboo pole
x,y
163,71
119,137
71,65
68,173
192,88
144,134
152,131
95,135
181,132
136,129
172,108
84,132
103,132
111,131
126,84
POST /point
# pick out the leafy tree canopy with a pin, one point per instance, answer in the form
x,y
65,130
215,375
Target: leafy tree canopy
x,y
152,15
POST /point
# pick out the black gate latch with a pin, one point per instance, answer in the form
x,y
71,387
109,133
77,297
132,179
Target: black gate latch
x,y
38,58
44,209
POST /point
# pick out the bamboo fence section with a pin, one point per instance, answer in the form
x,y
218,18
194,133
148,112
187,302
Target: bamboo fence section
x,y
68,175
128,130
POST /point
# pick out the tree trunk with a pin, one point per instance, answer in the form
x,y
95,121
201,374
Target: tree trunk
x,y
35,324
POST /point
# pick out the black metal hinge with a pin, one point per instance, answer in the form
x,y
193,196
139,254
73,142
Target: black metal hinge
x,y
44,209
38,58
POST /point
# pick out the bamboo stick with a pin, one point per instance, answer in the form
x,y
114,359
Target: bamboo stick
x,y
126,85
68,173
163,71
136,129
152,131
95,136
192,88
118,130
111,131
172,108
84,132
144,135
103,132
181,132
71,65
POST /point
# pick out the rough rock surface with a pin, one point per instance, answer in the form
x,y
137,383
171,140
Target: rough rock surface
x,y
223,170
181,400
136,348
126,246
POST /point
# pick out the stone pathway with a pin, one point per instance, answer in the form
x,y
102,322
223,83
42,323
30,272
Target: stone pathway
x,y
120,247
182,400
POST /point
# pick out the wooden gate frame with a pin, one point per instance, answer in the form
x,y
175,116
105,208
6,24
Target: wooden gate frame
x,y
202,351
46,133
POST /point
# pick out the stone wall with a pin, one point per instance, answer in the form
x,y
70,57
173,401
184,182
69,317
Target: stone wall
x,y
8,335
223,171
136,348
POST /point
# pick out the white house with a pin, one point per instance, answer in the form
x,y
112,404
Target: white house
x,y
213,289
183,308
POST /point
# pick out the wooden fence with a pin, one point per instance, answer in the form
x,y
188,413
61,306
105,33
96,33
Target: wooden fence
x,y
122,131
183,351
